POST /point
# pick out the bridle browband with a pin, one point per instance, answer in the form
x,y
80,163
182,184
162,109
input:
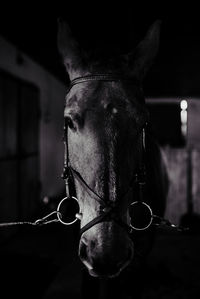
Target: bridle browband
x,y
101,77
108,209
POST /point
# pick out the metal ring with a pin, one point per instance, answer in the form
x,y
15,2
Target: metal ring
x,y
151,213
59,215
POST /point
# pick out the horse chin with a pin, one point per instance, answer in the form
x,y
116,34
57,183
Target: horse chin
x,y
93,273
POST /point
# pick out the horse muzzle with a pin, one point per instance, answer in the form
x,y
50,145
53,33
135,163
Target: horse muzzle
x,y
105,259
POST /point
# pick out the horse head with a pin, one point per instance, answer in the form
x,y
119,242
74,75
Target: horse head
x,y
105,113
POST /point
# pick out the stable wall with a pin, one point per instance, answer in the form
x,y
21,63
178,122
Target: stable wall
x,y
183,163
52,93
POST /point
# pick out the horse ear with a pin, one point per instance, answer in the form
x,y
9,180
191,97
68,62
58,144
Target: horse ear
x,y
143,56
69,49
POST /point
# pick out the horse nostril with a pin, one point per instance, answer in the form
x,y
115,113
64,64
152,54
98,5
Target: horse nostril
x,y
83,253
83,250
84,241
126,261
103,262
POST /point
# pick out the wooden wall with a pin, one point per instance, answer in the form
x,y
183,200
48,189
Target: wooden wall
x,y
183,167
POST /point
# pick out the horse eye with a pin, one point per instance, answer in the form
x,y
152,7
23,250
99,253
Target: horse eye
x,y
70,123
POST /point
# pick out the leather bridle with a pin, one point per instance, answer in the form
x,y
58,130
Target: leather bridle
x,y
109,209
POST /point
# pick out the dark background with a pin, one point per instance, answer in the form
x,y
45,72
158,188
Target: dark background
x,y
33,27
35,259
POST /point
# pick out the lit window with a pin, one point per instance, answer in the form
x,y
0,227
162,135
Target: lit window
x,y
183,106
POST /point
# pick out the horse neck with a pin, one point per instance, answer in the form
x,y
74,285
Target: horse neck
x,y
157,178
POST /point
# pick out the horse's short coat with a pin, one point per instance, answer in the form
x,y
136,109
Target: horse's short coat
x,y
105,122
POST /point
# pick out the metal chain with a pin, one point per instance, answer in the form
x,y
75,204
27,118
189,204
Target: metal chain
x,y
165,223
157,221
41,221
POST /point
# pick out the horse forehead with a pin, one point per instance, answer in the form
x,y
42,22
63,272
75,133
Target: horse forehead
x,y
102,99
99,94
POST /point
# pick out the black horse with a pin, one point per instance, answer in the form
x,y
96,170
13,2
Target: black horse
x,y
115,164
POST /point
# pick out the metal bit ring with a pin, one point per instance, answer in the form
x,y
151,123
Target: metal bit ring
x,y
59,214
150,212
